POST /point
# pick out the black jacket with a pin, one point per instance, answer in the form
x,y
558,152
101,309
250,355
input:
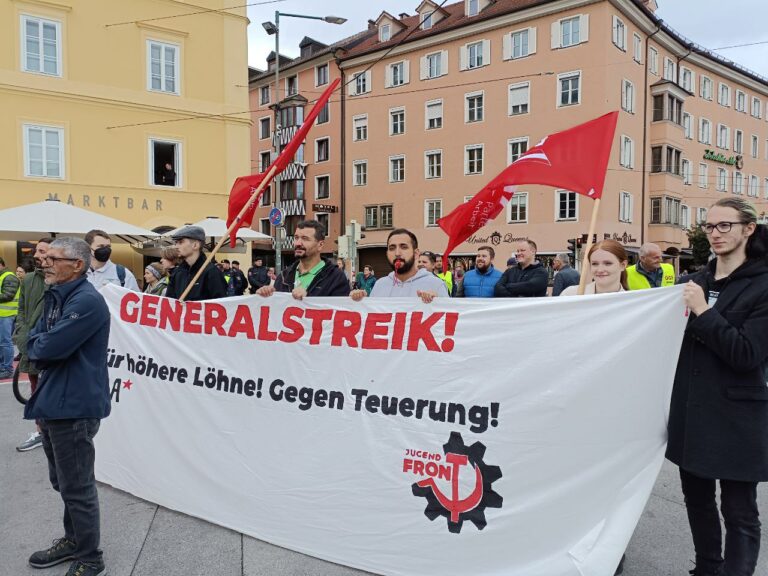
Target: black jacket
x,y
330,281
718,421
520,282
210,285
257,277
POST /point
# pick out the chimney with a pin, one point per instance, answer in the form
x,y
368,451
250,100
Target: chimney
x,y
651,5
371,24
403,15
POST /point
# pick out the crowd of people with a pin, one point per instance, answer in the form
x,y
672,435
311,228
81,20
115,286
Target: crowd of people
x,y
718,423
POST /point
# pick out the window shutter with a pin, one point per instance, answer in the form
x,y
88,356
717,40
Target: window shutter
x,y
615,29
352,86
507,47
463,57
406,71
624,103
486,52
532,40
631,207
388,77
584,27
443,62
423,68
555,34
631,153
368,81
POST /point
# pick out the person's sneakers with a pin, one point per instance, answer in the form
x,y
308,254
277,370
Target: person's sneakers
x,y
82,569
34,441
62,550
6,375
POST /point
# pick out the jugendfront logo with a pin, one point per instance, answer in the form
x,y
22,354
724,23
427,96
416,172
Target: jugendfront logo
x,y
456,484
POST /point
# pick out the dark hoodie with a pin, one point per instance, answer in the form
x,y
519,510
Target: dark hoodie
x,y
210,285
330,281
517,282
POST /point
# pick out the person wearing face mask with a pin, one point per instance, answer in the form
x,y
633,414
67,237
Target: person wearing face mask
x,y
102,270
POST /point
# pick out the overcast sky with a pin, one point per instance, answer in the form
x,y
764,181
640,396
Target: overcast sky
x,y
710,23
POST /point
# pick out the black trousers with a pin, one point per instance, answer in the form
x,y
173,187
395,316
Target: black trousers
x,y
68,445
738,504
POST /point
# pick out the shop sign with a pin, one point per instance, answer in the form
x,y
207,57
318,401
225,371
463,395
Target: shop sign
x,y
737,161
106,201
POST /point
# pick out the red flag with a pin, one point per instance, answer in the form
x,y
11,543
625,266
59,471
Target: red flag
x,y
575,159
244,186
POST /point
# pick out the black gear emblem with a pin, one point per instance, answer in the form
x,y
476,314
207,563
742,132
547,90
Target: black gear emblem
x,y
489,499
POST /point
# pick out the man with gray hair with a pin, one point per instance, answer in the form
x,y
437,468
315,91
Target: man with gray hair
x,y
69,345
565,276
650,271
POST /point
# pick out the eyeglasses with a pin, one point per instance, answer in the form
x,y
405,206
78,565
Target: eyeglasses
x,y
54,259
721,227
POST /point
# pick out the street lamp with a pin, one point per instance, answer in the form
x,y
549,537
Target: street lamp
x,y
274,29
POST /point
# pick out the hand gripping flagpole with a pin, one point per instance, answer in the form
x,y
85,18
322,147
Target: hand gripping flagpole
x,y
234,226
588,247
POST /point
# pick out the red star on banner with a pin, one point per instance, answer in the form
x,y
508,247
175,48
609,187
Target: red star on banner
x,y
127,384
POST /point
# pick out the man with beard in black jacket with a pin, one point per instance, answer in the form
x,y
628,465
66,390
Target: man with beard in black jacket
x,y
528,278
211,284
311,274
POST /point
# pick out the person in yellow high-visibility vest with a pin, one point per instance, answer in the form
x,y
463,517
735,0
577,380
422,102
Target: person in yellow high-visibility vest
x,y
650,271
10,288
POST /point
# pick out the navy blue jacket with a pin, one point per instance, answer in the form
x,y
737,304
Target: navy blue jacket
x,y
69,345
519,282
479,285
565,278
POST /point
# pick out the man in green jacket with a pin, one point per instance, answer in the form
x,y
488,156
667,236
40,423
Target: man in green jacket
x,y
30,308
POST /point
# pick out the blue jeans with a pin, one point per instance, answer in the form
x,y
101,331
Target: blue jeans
x,y
6,344
68,445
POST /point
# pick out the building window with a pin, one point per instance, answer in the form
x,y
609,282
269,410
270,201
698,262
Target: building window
x,y
322,149
667,107
757,107
687,79
291,86
291,116
165,163
665,210
517,208
321,75
433,164
638,51
322,187
685,217
724,95
516,148
569,89
473,107
434,115
754,186
627,156
673,161
754,146
703,175
619,34
741,101
656,159
626,207
738,183
722,180
474,55
688,125
686,167
473,7
396,121
323,219
41,46
670,70
265,226
361,83
291,190
43,151
385,33
519,98
426,22
434,65
433,211
265,159
264,95
701,215
385,213
705,131
570,32
396,168
163,67
723,136
360,172
360,128
397,74
628,96
738,142
655,210
567,205
705,88
324,116
473,159
653,61
371,217
520,43
264,128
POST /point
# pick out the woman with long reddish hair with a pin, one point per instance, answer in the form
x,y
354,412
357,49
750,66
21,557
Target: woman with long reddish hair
x,y
608,266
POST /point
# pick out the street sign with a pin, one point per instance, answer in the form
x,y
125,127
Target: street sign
x,y
276,217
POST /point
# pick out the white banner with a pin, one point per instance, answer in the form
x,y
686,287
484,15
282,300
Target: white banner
x,y
484,437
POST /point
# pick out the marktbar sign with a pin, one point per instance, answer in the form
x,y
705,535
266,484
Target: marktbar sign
x,y
737,161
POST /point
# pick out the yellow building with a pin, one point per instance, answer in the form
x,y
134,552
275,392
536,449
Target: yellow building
x,y
137,110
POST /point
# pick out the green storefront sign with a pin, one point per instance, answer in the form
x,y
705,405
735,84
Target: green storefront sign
x,y
737,161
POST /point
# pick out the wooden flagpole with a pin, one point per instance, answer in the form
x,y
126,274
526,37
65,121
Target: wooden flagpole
x,y
585,259
235,224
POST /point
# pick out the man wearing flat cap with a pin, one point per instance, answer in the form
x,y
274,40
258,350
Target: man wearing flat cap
x,y
211,284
